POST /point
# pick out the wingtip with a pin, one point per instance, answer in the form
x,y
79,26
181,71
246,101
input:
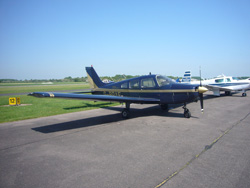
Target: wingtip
x,y
36,94
30,94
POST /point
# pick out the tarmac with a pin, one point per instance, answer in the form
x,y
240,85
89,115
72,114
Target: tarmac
x,y
153,148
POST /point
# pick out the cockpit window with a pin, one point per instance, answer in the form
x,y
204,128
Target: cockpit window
x,y
163,80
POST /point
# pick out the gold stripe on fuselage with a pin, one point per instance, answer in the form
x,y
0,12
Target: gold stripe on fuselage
x,y
147,91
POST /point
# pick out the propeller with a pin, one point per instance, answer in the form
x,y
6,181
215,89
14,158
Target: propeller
x,y
201,91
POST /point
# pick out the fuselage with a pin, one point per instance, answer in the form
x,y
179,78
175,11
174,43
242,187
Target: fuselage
x,y
151,86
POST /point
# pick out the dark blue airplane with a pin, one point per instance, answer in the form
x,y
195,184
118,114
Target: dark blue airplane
x,y
149,89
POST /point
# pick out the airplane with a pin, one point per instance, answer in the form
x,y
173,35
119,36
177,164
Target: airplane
x,y
149,89
223,83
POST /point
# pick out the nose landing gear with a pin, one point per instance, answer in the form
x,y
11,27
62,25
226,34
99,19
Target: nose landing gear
x,y
244,94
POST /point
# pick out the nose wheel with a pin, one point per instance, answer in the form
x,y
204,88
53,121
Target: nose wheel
x,y
187,113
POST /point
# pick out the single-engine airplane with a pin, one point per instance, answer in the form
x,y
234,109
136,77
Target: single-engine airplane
x,y
149,89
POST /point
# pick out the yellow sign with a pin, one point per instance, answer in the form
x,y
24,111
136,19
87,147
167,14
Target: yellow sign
x,y
14,101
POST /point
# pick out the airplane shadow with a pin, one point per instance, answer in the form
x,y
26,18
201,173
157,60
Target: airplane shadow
x,y
87,105
99,120
87,122
134,113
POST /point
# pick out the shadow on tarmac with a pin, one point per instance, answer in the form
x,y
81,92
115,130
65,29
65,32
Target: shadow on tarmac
x,y
98,120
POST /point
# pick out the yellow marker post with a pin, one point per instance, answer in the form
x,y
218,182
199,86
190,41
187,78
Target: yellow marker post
x,y
18,100
14,101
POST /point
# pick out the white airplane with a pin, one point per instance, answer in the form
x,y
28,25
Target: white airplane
x,y
224,83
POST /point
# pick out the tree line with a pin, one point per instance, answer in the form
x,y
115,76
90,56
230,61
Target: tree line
x,y
115,78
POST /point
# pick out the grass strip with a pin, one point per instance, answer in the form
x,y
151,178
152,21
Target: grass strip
x,y
41,107
29,89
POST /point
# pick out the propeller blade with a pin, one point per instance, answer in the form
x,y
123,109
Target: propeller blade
x,y
201,101
201,91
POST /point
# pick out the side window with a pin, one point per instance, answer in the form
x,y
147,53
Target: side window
x,y
134,84
147,83
124,85
228,80
219,80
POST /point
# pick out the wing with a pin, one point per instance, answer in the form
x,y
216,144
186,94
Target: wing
x,y
212,87
96,97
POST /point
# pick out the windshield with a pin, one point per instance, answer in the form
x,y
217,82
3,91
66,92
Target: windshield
x,y
235,78
163,80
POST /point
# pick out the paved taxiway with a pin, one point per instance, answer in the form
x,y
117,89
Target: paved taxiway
x,y
153,148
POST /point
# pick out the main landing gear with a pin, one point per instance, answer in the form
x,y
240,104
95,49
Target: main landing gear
x,y
244,94
125,111
187,113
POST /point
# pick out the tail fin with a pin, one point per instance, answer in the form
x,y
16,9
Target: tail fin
x,y
94,79
187,77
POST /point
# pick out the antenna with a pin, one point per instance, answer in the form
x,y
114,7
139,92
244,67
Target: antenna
x,y
200,76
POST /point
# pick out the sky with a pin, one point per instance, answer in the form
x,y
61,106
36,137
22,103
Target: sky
x,y
53,39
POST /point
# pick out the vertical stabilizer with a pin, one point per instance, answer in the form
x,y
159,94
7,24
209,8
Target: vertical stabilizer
x,y
187,77
94,79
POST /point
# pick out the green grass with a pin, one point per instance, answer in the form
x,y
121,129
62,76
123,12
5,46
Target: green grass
x,y
42,107
42,83
32,88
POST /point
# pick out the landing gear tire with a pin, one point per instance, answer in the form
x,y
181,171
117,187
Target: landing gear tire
x,y
187,113
227,93
244,94
125,114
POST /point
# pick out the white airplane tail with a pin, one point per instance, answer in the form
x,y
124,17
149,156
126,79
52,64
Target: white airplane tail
x,y
187,77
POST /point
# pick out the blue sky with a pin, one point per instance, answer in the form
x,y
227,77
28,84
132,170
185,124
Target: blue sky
x,y
59,38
